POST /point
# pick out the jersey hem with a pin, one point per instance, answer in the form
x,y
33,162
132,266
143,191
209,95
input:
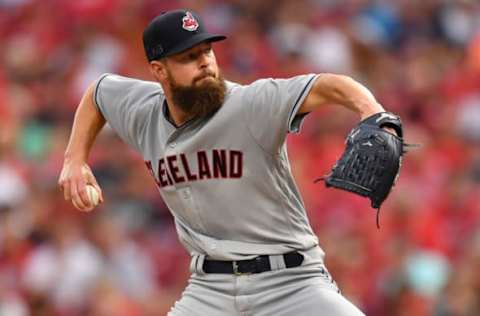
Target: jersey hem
x,y
95,92
296,106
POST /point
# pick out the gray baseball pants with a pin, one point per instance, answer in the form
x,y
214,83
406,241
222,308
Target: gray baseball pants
x,y
307,290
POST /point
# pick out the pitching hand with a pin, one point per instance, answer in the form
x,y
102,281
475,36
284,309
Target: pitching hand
x,y
73,179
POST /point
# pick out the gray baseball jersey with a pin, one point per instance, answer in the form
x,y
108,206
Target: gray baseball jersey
x,y
226,178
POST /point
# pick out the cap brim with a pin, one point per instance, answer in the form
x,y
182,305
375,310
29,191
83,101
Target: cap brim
x,y
194,40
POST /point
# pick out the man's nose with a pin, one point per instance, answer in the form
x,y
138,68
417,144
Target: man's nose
x,y
204,61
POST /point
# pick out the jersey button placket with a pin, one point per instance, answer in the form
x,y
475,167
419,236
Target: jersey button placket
x,y
184,191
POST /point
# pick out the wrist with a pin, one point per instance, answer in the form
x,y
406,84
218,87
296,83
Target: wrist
x,y
370,110
71,156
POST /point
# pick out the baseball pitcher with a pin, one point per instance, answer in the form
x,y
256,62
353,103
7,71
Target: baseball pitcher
x,y
216,150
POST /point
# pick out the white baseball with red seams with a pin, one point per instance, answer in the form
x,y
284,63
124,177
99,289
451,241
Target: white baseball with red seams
x,y
93,195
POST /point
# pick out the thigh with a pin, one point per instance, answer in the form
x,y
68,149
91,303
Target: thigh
x,y
310,294
314,300
205,296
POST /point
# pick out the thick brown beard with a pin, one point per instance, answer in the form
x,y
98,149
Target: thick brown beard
x,y
199,100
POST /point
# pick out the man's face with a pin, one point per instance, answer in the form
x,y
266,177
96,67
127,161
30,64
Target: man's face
x,y
194,80
193,66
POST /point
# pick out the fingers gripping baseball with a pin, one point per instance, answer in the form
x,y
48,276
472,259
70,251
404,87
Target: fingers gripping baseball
x,y
74,179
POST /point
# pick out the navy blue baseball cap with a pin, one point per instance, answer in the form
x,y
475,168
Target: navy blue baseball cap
x,y
173,32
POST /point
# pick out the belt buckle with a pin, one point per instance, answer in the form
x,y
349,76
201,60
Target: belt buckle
x,y
236,271
235,268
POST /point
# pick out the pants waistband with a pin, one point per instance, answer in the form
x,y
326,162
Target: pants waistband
x,y
256,265
202,264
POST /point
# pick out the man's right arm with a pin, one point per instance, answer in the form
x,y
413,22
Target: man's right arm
x,y
76,173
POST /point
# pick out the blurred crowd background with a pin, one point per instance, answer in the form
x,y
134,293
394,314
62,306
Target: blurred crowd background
x,y
420,58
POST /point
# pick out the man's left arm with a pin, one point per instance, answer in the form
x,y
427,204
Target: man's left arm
x,y
341,90
371,161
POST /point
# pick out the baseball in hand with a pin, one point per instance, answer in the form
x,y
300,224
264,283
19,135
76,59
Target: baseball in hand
x,y
93,195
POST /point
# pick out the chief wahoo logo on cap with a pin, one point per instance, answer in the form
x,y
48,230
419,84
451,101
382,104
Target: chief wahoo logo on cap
x,y
189,22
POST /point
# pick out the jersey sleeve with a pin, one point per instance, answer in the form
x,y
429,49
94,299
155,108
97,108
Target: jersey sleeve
x,y
126,105
271,107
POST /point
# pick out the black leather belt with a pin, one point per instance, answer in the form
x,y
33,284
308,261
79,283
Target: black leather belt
x,y
256,265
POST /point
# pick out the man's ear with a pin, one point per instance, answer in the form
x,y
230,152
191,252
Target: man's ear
x,y
158,70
